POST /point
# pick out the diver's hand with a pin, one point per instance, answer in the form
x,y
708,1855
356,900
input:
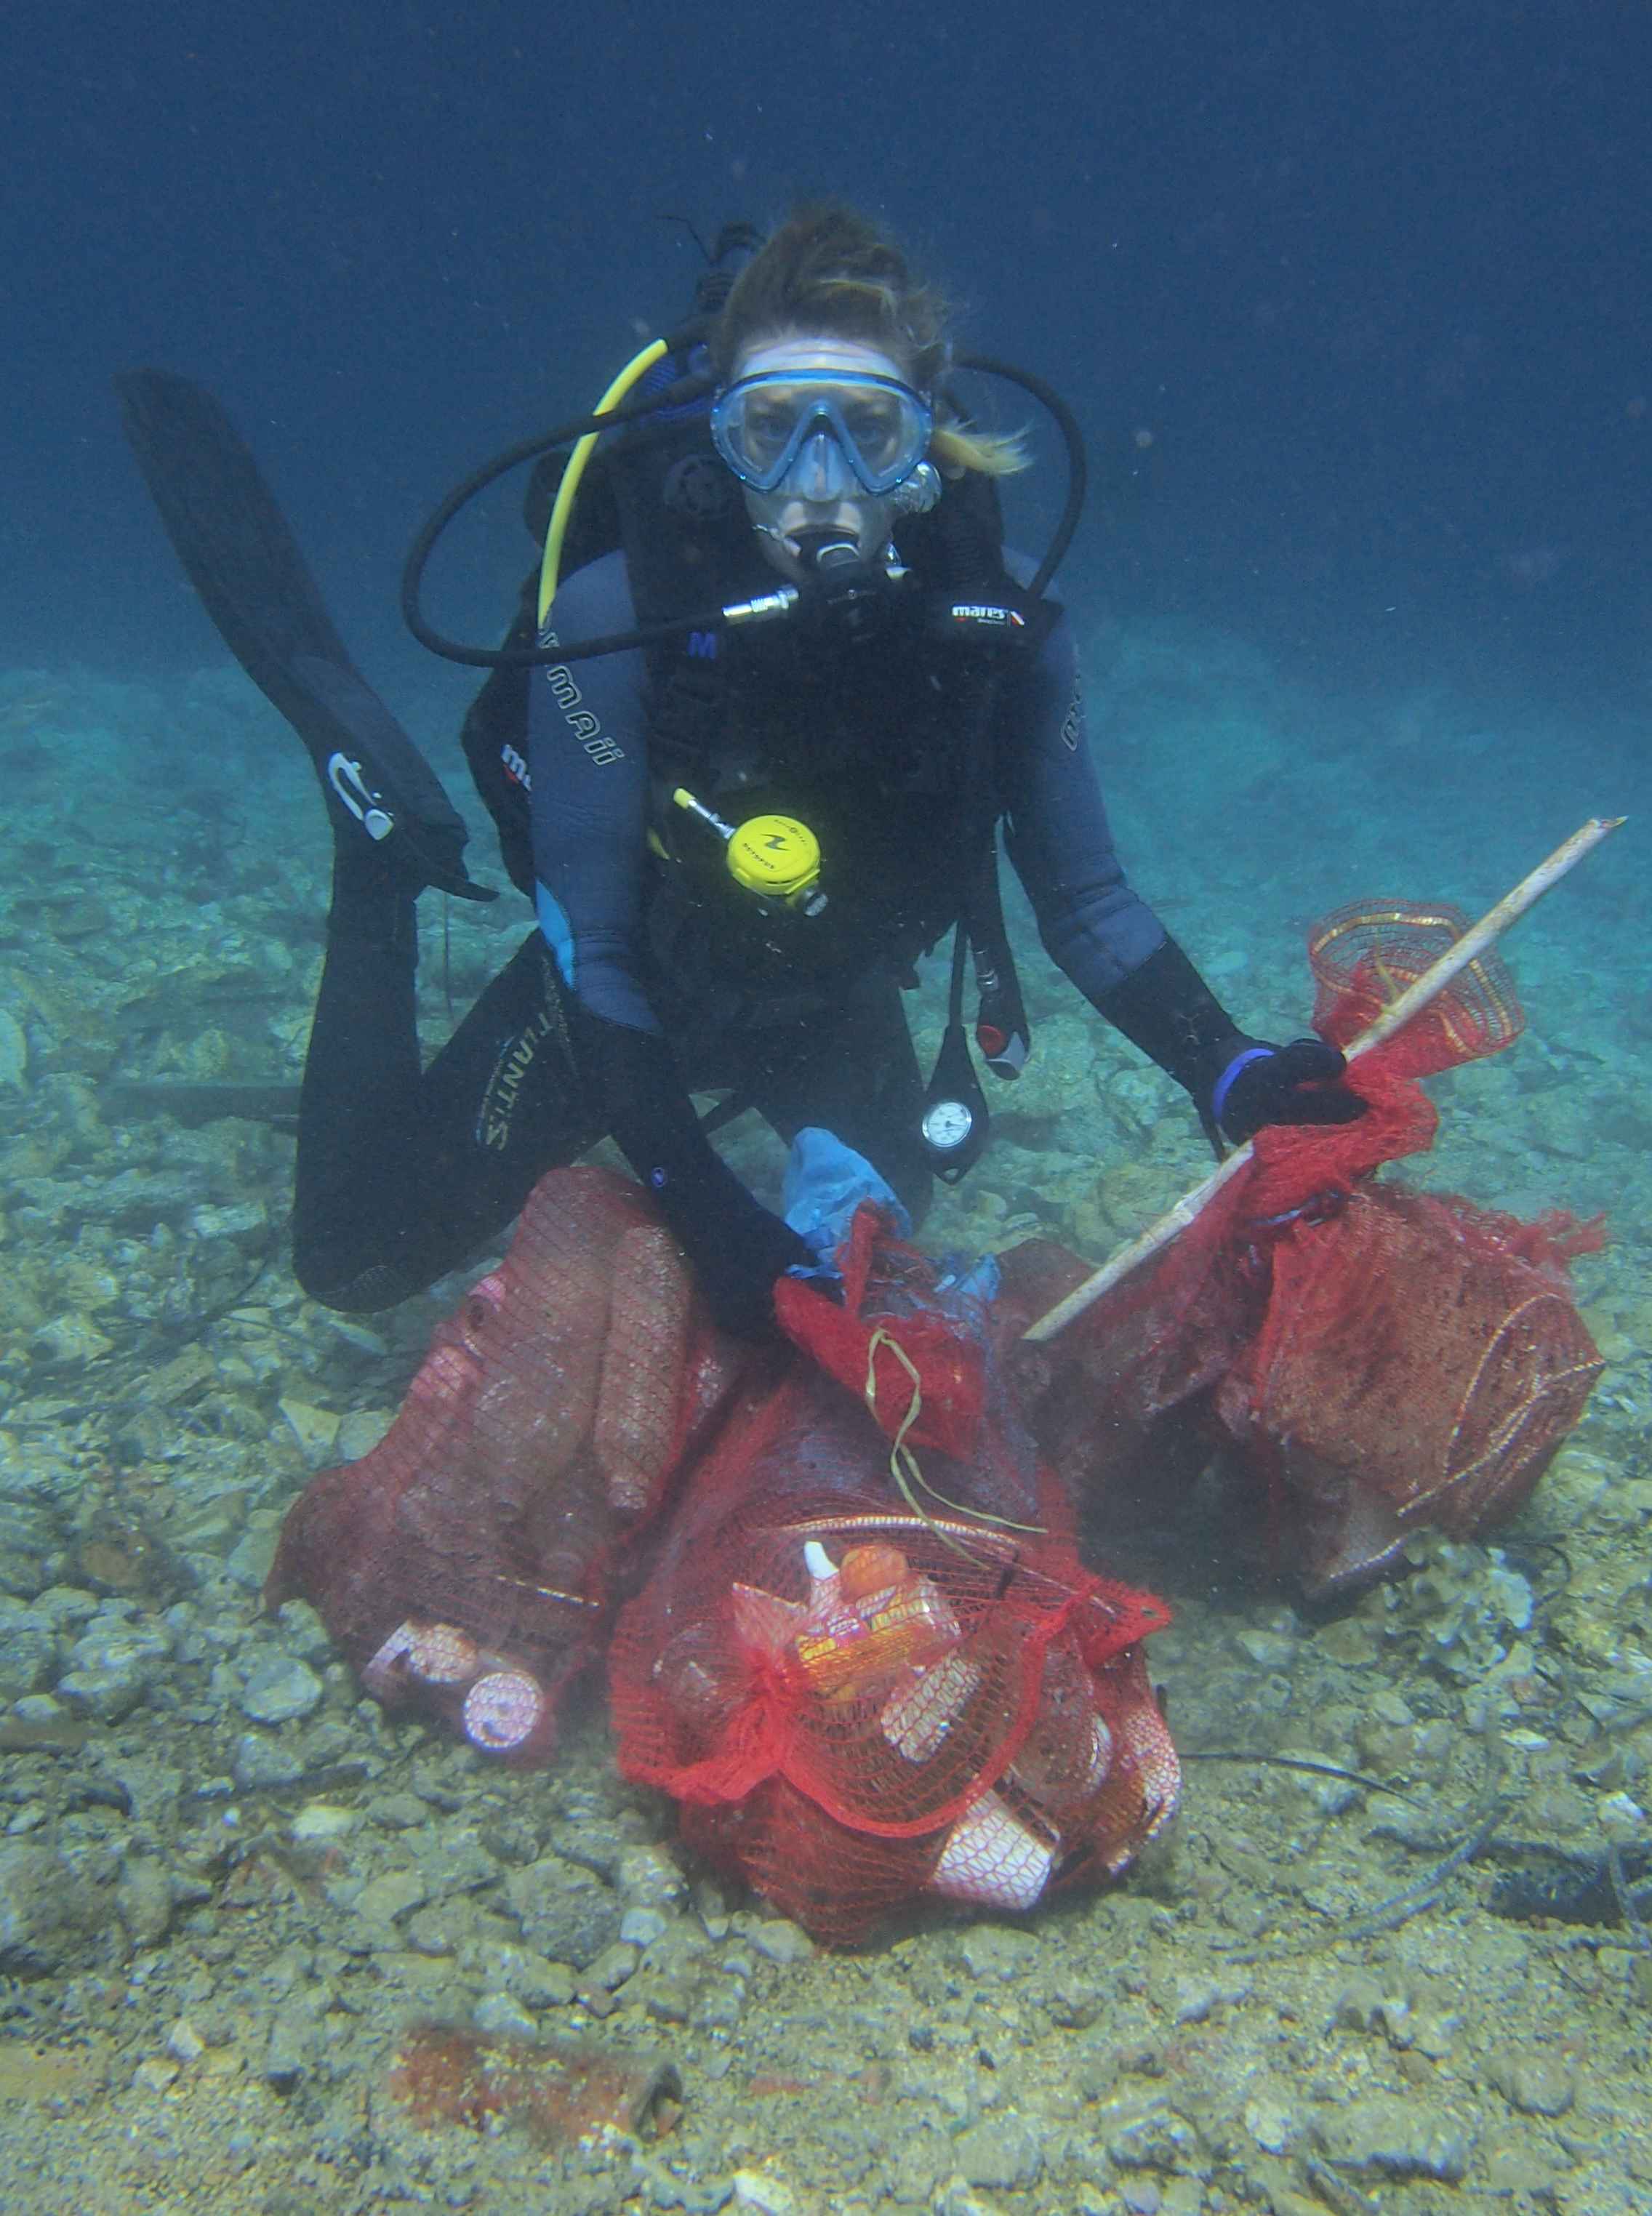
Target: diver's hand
x,y
1263,1083
737,1262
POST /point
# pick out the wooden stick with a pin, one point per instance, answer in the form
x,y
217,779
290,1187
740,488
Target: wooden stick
x,y
1417,994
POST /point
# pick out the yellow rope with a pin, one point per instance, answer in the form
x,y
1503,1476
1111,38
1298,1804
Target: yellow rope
x,y
903,1465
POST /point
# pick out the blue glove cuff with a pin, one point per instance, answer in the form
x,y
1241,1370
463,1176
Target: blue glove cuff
x,y
1223,1084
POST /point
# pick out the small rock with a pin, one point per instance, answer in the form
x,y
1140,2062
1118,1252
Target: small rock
x,y
566,1913
48,1915
770,2196
504,2012
303,1633
957,2197
112,1665
294,2040
1359,2006
245,1219
1622,1817
1512,2170
262,1762
70,1342
647,1877
28,1649
40,1712
151,1786
1384,2137
524,1975
612,1966
641,1927
781,1940
280,1691
398,1812
1350,1641
184,2043
1272,2123
1535,2083
142,1895
1161,2140
1269,1650
1195,2000
1001,2151
155,2074
666,1999
248,1560
315,1429
397,1893
360,1431
997,1950
319,1822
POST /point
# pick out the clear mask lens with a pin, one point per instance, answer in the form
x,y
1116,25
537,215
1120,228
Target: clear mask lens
x,y
791,428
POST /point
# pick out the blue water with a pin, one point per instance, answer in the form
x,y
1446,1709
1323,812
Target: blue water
x,y
1351,304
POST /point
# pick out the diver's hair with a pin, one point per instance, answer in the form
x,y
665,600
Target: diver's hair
x,y
829,268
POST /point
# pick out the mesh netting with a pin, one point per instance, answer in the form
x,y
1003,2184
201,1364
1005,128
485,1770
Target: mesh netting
x,y
866,1661
863,1655
867,1674
1439,1394
1383,1358
465,1562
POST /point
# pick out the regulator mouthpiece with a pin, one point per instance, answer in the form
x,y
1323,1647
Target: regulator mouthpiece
x,y
825,552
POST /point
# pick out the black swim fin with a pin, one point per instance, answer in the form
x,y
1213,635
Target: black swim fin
x,y
243,561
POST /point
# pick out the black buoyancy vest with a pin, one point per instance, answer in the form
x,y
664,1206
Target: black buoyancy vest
x,y
881,744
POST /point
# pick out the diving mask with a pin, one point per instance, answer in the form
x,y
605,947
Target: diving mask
x,y
822,435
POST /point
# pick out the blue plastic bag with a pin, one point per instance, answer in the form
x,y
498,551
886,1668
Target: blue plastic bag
x,y
825,1183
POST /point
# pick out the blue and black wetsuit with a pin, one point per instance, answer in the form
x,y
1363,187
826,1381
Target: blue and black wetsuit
x,y
651,973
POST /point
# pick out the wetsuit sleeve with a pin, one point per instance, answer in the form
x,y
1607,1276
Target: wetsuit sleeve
x,y
588,762
1094,926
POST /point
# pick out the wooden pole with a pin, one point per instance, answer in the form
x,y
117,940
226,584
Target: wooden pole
x,y
1417,994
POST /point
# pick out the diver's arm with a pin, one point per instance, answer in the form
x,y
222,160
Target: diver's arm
x,y
588,763
1094,926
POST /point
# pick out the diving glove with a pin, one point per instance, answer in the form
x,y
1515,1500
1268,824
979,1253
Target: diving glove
x,y
1293,1084
1238,1083
737,1246
739,1251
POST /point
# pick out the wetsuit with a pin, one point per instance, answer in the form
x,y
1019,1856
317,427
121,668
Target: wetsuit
x,y
646,978
889,725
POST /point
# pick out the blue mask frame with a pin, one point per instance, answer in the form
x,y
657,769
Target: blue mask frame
x,y
879,426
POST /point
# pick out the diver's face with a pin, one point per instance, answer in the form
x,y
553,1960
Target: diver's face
x,y
819,493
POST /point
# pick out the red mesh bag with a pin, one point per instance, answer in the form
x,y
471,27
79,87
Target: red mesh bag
x,y
865,1675
1385,1360
1438,1396
466,1562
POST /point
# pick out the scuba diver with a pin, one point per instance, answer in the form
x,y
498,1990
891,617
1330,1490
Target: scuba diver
x,y
772,693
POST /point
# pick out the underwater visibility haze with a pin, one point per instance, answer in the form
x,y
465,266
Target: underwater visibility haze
x,y
1350,309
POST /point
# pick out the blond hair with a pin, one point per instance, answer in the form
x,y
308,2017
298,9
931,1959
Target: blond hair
x,y
828,268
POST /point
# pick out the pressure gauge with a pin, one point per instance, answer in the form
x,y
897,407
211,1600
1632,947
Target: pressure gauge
x,y
948,1125
953,1122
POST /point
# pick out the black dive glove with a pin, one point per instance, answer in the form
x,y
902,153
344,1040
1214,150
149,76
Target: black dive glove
x,y
1293,1084
737,1245
1237,1083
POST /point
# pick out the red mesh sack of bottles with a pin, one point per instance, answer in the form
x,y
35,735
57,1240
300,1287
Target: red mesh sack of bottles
x,y
1384,1359
868,1662
465,1564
